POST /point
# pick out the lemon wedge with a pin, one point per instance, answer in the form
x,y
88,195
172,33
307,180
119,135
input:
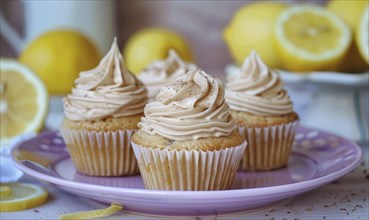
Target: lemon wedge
x,y
92,214
311,38
23,102
362,36
21,196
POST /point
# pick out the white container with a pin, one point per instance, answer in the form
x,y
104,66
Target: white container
x,y
95,19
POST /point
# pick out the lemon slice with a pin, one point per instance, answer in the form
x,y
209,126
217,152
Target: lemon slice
x,y
5,190
311,38
92,214
362,36
23,102
21,196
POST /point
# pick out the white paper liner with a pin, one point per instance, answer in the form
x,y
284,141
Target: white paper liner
x,y
268,147
163,169
101,153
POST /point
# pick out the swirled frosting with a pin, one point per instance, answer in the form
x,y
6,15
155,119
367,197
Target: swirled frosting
x,y
162,72
257,90
109,90
192,107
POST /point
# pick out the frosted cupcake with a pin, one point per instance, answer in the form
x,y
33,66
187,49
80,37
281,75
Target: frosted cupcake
x,y
162,72
187,139
264,113
101,114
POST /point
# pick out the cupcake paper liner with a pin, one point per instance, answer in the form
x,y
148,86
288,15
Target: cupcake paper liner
x,y
268,147
101,153
163,169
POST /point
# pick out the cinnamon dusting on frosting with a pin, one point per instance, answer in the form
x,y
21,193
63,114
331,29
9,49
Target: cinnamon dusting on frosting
x,y
257,90
109,90
163,72
192,107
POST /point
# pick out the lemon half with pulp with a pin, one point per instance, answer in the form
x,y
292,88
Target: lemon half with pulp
x,y
21,196
23,101
311,38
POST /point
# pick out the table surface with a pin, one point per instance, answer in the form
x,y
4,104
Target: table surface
x,y
345,198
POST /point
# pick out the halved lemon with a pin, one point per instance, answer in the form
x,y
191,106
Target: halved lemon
x,y
23,100
21,196
311,38
362,36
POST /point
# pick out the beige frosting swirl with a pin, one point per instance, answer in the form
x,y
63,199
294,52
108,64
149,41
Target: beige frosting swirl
x,y
163,72
109,90
257,90
192,107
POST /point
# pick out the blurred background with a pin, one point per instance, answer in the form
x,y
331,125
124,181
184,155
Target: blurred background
x,y
201,23
33,33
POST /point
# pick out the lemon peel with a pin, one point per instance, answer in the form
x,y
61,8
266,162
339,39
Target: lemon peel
x,y
113,208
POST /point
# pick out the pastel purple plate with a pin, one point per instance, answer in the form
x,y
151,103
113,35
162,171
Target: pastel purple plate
x,y
318,158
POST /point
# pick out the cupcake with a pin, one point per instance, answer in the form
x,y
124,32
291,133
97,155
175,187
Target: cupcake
x,y
101,114
162,72
187,139
264,113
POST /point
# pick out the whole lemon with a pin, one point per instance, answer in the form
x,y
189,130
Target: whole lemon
x,y
58,56
351,12
252,28
153,44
